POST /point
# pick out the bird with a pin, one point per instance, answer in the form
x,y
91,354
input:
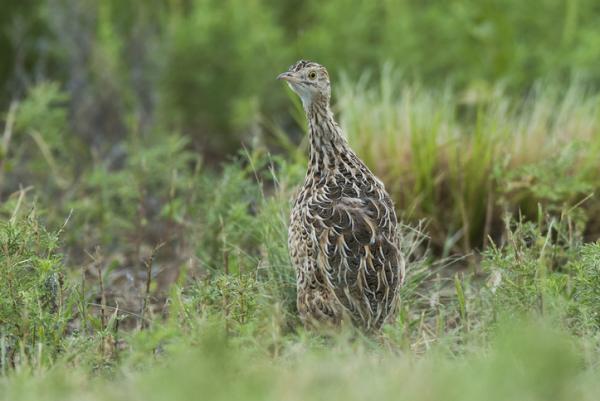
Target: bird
x,y
343,236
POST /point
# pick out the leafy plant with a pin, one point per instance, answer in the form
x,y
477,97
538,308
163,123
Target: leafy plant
x,y
35,303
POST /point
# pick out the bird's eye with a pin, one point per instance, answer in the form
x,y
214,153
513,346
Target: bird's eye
x,y
312,75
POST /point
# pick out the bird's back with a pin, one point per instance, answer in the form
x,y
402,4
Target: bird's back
x,y
342,238
344,244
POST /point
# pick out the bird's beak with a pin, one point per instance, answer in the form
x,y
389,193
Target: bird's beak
x,y
287,76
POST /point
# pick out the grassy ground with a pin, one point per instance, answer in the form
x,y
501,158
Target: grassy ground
x,y
522,361
142,274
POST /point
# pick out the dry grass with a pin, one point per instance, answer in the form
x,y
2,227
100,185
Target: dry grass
x,y
463,161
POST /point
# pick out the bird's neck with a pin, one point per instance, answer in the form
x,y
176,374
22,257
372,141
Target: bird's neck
x,y
325,135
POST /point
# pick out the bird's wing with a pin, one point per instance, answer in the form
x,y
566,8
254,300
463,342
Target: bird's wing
x,y
358,254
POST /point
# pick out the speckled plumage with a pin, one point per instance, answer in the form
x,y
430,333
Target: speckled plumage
x,y
343,237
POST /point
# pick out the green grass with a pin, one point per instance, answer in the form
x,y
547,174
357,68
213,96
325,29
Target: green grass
x,y
143,254
148,275
523,360
463,161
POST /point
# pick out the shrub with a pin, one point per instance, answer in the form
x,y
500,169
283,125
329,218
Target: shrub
x,y
544,269
220,64
42,151
35,304
242,227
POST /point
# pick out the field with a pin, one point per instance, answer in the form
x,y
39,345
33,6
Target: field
x,y
146,177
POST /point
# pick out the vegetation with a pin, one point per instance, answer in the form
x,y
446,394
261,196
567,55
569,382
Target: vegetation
x,y
463,162
145,178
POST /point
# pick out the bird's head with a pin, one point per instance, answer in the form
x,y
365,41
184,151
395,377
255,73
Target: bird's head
x,y
310,81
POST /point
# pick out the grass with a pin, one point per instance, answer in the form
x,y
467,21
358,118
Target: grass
x,y
464,161
146,275
523,360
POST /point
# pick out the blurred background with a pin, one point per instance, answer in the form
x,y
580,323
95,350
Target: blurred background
x,y
148,156
206,68
470,111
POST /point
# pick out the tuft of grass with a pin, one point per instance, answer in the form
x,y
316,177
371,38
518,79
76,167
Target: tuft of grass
x,y
543,269
35,303
464,161
586,288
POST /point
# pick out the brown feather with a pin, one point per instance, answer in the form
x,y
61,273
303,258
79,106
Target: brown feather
x,y
343,236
